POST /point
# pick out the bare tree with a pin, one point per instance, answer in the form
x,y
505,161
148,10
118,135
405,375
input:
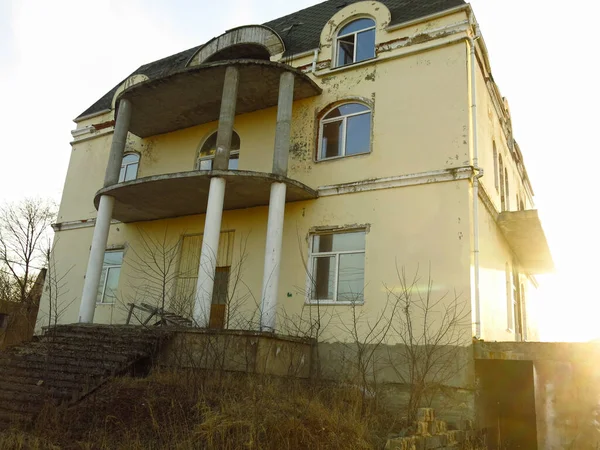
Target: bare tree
x,y
56,287
432,332
24,227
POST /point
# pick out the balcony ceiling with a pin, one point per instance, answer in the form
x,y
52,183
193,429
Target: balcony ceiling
x,y
192,96
186,193
524,233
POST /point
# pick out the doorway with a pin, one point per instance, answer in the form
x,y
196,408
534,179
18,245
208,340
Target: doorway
x,y
506,404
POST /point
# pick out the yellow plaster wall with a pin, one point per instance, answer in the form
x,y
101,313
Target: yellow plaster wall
x,y
397,219
494,253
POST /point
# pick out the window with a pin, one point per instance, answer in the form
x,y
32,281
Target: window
x,y
496,174
356,42
109,279
209,148
337,262
129,167
345,131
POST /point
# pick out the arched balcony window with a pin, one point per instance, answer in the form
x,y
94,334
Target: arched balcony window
x,y
355,42
129,167
345,131
209,148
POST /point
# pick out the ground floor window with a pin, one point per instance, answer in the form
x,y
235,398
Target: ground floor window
x,y
109,278
337,267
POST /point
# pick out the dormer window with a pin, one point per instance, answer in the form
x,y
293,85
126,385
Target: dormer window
x,y
356,42
209,148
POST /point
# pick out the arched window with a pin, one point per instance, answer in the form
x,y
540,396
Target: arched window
x,y
129,167
345,131
355,42
209,148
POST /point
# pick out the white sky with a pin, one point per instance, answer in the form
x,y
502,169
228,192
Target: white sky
x,y
57,58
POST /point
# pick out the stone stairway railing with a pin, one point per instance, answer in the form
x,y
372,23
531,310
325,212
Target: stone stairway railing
x,y
67,363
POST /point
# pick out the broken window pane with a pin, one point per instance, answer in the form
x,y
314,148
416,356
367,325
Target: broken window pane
x,y
358,134
331,145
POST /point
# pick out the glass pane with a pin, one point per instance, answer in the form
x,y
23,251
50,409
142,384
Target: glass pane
x,y
352,108
357,25
345,50
131,172
206,164
122,174
233,162
351,278
101,284
323,278
339,242
209,146
235,142
331,145
219,296
349,241
112,283
358,134
130,158
113,258
365,45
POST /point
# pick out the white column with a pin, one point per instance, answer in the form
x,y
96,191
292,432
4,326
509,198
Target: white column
x,y
272,257
216,195
94,268
268,308
105,209
208,255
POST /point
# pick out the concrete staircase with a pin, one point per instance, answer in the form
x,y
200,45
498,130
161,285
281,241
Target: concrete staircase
x,y
68,362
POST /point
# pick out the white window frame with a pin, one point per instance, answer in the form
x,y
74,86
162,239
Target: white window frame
x,y
108,267
344,120
355,33
313,256
125,166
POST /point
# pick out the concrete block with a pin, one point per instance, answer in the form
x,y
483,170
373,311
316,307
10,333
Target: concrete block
x,y
426,415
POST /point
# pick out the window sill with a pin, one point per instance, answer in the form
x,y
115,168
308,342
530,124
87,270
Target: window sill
x,y
332,303
330,70
337,158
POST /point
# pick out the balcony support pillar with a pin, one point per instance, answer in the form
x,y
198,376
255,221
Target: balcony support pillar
x,y
272,267
105,209
216,196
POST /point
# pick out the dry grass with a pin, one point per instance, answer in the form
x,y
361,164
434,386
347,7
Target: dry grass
x,y
183,410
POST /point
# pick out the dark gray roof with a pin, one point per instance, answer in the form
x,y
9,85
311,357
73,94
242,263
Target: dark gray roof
x,y
302,36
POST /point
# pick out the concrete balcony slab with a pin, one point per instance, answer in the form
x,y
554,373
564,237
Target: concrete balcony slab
x,y
192,96
186,193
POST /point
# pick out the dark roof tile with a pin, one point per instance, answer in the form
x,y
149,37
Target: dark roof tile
x,y
304,34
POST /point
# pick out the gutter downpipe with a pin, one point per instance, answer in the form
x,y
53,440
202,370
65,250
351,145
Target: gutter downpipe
x,y
477,174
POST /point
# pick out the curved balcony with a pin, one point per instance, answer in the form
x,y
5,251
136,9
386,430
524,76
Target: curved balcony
x,y
186,193
192,96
